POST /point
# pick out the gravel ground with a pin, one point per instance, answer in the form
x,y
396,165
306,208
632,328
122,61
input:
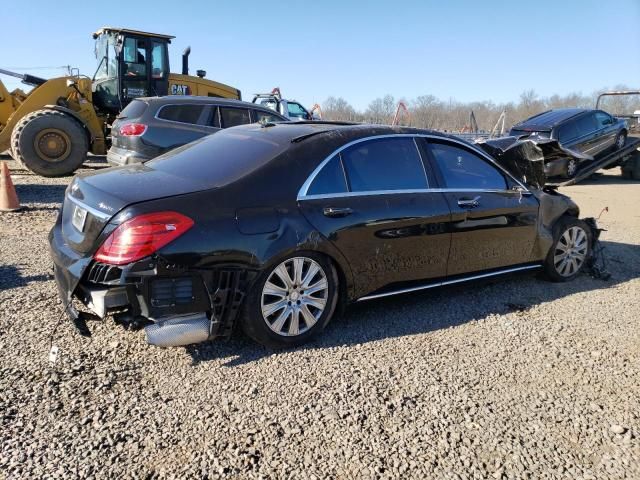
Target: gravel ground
x,y
518,378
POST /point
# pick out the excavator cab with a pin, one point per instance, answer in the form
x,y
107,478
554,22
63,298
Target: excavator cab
x,y
131,64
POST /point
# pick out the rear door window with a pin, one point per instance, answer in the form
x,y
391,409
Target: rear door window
x,y
262,116
331,179
231,117
181,113
464,170
586,124
568,131
384,164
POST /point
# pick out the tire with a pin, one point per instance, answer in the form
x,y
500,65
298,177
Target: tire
x,y
566,236
269,318
620,141
49,143
571,169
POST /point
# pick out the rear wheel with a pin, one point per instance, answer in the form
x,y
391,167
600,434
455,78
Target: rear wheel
x,y
570,250
292,301
572,168
49,143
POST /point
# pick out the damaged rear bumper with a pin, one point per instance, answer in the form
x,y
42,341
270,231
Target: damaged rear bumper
x,y
173,301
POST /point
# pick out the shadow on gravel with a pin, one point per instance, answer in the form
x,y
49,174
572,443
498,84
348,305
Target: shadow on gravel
x,y
40,194
10,277
430,310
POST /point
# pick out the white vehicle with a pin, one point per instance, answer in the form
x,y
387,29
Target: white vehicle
x,y
289,108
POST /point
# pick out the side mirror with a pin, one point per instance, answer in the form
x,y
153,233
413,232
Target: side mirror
x,y
70,82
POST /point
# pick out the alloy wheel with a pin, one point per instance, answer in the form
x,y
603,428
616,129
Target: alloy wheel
x,y
294,296
620,141
572,168
570,251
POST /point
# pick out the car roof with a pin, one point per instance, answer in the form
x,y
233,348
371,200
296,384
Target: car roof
x,y
551,118
196,99
297,132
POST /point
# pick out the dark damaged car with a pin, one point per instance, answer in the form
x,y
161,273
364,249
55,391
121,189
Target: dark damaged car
x,y
275,226
583,135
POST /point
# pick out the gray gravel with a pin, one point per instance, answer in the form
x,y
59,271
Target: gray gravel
x,y
513,379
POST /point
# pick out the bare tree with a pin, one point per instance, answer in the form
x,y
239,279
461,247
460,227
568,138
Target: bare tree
x,y
427,111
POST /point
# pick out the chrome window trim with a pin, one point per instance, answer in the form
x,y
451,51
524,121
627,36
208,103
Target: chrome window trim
x,y
302,193
448,282
413,191
93,211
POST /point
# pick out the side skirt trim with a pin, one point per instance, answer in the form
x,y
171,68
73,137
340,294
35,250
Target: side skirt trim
x,y
447,282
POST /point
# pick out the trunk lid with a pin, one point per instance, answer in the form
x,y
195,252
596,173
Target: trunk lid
x,y
93,199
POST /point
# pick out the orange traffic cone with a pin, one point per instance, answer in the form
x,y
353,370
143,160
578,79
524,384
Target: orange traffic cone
x,y
8,197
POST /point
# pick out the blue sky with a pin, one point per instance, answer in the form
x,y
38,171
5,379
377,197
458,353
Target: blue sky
x,y
360,50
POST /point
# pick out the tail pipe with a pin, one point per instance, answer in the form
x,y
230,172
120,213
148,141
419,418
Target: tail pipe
x,y
179,331
185,60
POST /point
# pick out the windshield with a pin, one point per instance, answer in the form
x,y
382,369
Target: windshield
x,y
106,57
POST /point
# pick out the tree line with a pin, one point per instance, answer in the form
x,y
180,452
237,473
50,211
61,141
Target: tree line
x,y
427,111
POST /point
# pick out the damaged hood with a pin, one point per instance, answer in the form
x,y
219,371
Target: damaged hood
x,y
524,157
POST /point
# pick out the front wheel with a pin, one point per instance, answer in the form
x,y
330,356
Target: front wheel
x,y
570,250
292,301
49,143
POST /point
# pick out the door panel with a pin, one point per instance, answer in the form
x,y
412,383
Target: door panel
x,y
498,230
386,238
491,225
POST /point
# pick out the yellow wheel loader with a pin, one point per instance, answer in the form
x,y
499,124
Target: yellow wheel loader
x,y
51,129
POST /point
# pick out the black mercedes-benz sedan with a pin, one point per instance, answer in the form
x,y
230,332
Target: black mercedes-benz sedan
x,y
275,225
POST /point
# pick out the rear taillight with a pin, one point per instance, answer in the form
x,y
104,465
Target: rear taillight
x,y
141,236
133,129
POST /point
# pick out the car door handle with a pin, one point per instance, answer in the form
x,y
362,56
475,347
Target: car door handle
x,y
337,212
469,202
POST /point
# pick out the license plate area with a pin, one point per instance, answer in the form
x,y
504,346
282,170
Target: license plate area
x,y
79,218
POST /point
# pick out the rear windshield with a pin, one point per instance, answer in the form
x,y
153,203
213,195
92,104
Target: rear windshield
x,y
134,110
221,158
